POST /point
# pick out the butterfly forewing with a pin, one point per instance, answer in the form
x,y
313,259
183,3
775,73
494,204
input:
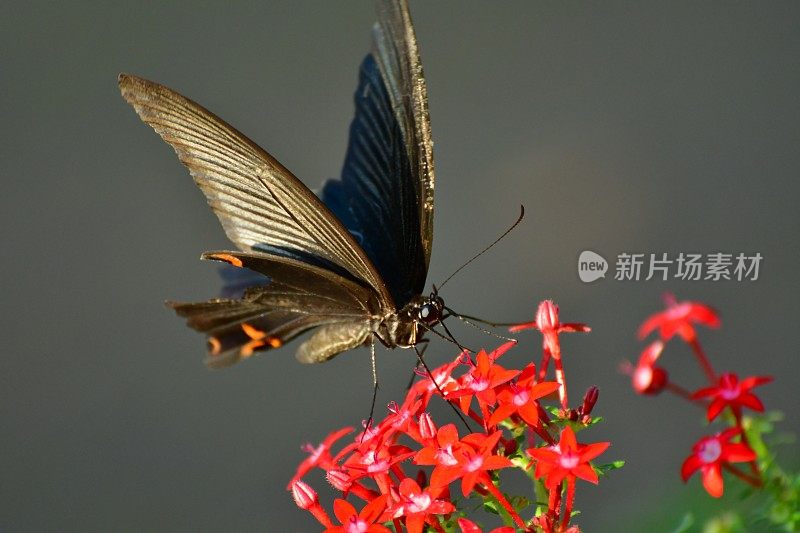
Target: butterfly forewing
x,y
385,194
257,200
395,49
316,275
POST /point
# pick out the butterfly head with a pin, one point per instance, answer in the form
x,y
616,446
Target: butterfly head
x,y
431,311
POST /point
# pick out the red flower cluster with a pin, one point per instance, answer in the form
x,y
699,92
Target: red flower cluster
x,y
714,453
404,467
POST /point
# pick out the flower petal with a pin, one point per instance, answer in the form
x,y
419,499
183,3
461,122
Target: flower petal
x,y
343,510
501,413
750,400
715,408
468,526
712,480
373,509
529,413
590,451
586,472
738,453
690,466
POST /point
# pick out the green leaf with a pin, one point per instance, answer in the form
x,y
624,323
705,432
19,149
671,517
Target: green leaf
x,y
602,470
491,506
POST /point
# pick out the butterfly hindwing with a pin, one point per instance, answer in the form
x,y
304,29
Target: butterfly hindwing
x,y
298,298
236,329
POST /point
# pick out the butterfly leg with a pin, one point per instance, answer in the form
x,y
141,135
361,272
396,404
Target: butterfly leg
x,y
422,362
416,366
368,425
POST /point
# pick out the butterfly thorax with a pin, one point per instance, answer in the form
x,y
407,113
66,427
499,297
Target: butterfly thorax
x,y
407,327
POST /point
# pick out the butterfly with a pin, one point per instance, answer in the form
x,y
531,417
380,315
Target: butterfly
x,y
348,264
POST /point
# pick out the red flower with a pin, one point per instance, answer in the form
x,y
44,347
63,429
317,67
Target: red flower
x,y
548,323
678,318
481,381
647,378
306,498
710,454
363,522
520,398
730,392
474,459
319,456
468,526
441,452
418,506
566,460
425,387
377,461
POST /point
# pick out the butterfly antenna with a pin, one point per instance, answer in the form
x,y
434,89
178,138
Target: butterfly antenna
x,y
482,321
445,337
421,361
506,232
468,321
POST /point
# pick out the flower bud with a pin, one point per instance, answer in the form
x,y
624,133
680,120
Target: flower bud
x,y
649,379
339,479
304,496
547,316
589,400
427,428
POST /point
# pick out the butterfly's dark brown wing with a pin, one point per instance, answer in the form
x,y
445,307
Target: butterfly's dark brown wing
x,y
385,192
299,297
397,54
260,204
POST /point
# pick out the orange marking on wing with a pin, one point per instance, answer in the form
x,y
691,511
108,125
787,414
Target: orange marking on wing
x,y
214,345
248,349
228,258
254,333
274,342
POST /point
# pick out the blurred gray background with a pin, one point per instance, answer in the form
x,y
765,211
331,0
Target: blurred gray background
x,y
622,127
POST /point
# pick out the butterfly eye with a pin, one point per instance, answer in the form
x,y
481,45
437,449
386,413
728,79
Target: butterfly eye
x,y
429,314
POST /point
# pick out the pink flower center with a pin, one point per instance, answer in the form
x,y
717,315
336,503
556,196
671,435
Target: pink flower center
x,y
729,393
710,451
569,460
356,525
474,464
374,463
678,311
521,398
418,503
445,457
479,384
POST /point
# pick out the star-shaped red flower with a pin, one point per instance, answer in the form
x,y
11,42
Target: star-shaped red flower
x,y
710,454
474,458
319,456
730,392
480,382
520,398
355,522
418,506
679,319
566,460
